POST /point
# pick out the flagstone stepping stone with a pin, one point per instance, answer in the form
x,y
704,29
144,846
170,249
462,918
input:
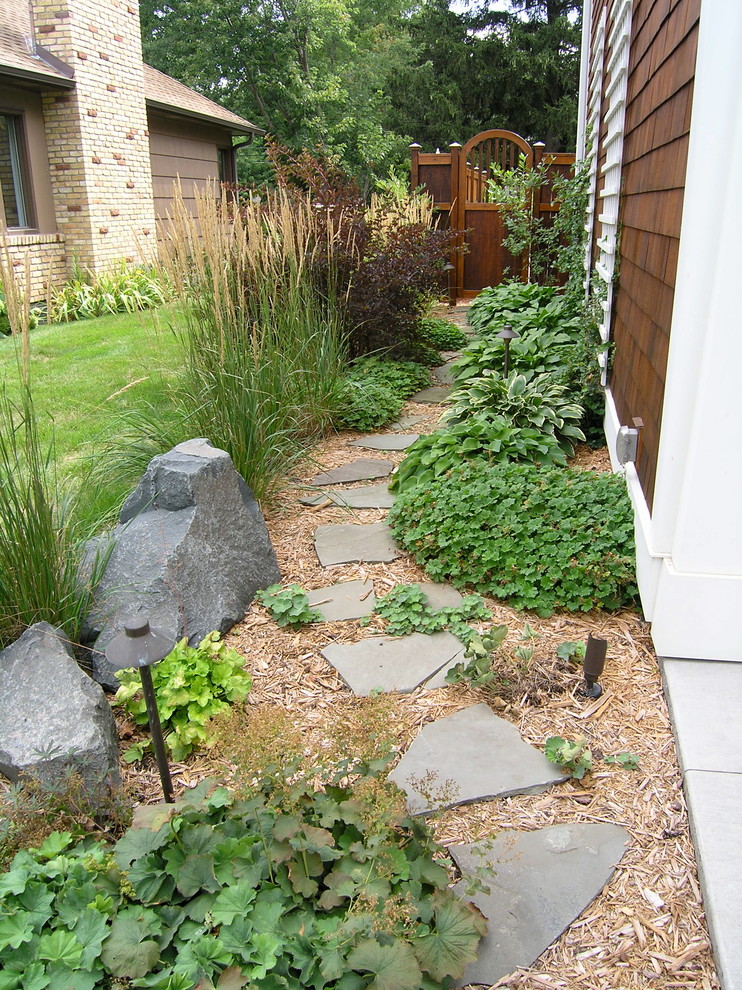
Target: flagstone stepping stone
x,y
540,882
364,469
434,394
349,600
346,544
368,497
470,756
443,373
441,595
386,441
405,422
393,663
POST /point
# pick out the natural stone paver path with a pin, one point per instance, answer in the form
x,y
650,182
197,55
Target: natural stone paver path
x,y
393,663
539,883
364,469
470,756
347,600
347,544
435,393
386,441
443,373
368,497
405,422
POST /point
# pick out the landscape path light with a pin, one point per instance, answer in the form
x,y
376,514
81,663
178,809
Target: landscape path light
x,y
507,334
140,646
593,665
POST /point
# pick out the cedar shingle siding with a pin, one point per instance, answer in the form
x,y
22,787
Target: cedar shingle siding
x,y
660,92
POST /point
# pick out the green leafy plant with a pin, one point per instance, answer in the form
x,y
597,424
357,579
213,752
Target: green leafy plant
x,y
440,334
540,403
120,289
288,605
538,538
192,685
479,671
629,761
487,441
406,610
571,650
216,891
573,756
374,390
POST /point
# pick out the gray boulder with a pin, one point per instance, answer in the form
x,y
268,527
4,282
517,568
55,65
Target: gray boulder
x,y
53,717
190,552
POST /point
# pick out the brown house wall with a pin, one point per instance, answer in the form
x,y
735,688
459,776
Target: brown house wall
x,y
188,152
660,92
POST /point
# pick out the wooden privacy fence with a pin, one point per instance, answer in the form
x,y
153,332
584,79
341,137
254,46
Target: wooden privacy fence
x,y
457,181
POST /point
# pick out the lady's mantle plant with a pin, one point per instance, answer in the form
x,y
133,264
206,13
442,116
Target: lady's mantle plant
x,y
225,893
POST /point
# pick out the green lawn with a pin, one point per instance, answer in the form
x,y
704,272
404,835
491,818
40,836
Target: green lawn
x,y
83,374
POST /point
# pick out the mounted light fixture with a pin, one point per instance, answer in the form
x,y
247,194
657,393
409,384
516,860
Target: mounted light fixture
x,y
507,334
593,665
142,647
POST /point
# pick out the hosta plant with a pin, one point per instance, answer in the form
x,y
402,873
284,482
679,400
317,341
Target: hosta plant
x,y
192,685
540,403
321,892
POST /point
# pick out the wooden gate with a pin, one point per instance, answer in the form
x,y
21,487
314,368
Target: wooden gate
x,y
457,181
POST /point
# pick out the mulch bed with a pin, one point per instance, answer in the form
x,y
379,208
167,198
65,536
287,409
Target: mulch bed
x,y
647,928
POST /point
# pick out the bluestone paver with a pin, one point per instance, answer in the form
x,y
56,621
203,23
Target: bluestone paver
x,y
364,469
444,373
441,595
347,600
388,663
386,441
345,544
470,756
539,883
715,812
431,395
367,497
405,422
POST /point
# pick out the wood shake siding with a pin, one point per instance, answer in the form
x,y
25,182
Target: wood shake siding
x,y
659,99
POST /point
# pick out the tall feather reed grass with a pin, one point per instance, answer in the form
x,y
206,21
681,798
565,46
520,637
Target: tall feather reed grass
x,y
42,536
264,347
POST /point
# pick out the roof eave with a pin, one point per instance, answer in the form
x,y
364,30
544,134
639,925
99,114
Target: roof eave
x,y
227,125
43,80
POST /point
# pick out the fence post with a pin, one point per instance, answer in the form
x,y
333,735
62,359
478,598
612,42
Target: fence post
x,y
456,273
538,154
414,166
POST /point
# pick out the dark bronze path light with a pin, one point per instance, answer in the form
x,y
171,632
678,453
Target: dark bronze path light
x,y
507,334
593,665
142,647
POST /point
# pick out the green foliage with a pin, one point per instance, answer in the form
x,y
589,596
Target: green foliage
x,y
479,672
121,289
192,685
42,534
629,761
374,391
573,756
516,303
406,610
512,189
540,403
441,334
312,892
288,605
486,441
569,650
34,316
540,539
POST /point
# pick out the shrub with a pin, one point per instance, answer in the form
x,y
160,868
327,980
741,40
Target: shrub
x,y
486,441
539,539
192,685
121,289
440,334
320,893
540,404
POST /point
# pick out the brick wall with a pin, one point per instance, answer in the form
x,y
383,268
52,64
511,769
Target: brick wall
x,y
97,132
48,261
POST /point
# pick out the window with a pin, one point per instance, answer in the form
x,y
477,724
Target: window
x,y
13,185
